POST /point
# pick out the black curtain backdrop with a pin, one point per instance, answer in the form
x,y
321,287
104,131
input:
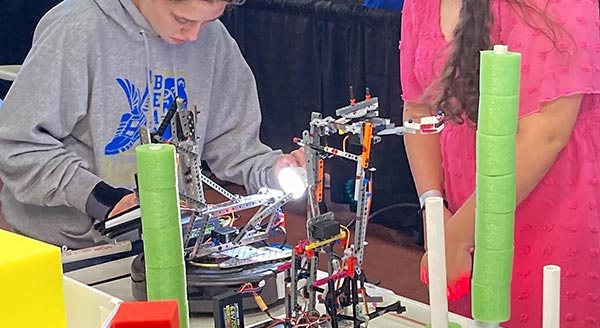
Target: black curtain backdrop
x,y
18,19
305,55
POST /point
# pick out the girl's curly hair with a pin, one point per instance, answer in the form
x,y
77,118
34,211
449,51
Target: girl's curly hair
x,y
458,89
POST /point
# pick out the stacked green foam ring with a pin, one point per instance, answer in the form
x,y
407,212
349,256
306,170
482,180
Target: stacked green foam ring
x,y
495,184
161,227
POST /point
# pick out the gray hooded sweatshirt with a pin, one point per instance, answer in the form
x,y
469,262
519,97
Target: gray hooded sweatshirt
x,y
95,74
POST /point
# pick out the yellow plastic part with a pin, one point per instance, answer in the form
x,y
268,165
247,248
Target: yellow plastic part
x,y
316,244
31,283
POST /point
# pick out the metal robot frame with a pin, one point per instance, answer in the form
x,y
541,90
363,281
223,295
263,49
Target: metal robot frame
x,y
191,180
360,120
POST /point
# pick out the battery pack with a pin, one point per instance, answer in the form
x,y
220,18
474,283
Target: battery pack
x,y
228,311
325,229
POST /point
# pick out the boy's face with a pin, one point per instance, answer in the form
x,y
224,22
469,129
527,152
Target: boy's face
x,y
178,22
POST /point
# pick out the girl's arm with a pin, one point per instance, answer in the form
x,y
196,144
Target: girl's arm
x,y
540,137
423,152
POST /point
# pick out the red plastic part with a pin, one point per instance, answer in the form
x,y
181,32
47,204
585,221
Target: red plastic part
x,y
153,314
351,266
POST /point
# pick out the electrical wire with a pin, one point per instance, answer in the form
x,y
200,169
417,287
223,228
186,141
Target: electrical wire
x,y
393,206
285,236
249,288
347,235
344,142
203,265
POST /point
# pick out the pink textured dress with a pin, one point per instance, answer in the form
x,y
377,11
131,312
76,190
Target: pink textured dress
x,y
559,222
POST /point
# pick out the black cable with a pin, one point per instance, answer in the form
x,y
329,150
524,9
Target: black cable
x,y
285,236
351,223
393,206
127,275
167,119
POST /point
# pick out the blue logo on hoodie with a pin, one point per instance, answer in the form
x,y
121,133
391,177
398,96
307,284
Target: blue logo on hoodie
x,y
128,131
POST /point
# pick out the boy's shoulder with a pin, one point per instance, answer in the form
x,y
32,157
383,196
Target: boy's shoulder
x,y
73,12
216,34
70,17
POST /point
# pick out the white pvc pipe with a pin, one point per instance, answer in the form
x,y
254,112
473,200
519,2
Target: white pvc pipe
x,y
436,261
9,72
480,324
551,291
96,251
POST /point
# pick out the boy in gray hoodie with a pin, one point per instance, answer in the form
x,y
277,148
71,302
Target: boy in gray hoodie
x,y
98,70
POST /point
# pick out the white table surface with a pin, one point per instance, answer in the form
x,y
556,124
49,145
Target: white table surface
x,y
416,315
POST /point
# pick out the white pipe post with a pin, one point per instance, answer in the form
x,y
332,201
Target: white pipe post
x,y
480,324
551,291
436,261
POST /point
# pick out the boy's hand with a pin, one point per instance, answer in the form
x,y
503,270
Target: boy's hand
x,y
127,202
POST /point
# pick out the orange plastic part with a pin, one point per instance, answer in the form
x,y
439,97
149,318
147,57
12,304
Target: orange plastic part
x,y
366,146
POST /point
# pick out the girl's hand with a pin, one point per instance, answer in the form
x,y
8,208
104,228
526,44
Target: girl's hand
x,y
459,263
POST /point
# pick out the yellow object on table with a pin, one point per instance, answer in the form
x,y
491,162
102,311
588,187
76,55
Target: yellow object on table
x,y
31,283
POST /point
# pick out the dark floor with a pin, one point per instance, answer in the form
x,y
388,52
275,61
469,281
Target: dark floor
x,y
391,257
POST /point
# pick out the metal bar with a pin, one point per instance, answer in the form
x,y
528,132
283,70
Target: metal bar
x,y
216,187
203,250
312,295
260,215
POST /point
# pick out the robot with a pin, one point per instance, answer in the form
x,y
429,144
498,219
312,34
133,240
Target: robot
x,y
219,256
342,289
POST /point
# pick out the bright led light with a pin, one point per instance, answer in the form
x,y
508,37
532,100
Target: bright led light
x,y
293,180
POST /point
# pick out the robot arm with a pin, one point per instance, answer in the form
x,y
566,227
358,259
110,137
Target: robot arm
x,y
426,125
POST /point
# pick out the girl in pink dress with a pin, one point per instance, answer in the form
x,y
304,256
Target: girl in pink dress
x,y
557,220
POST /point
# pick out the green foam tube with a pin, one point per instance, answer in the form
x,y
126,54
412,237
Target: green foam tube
x,y
500,73
170,289
157,164
165,254
164,290
495,194
498,115
495,155
160,209
490,303
161,227
495,267
494,231
495,191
